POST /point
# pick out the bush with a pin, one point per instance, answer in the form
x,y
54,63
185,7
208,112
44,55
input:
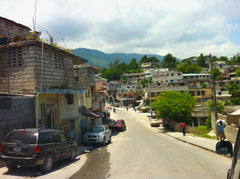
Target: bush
x,y
208,122
201,130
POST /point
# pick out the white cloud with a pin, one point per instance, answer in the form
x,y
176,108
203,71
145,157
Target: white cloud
x,y
182,27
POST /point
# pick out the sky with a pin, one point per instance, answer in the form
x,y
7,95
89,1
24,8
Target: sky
x,y
183,28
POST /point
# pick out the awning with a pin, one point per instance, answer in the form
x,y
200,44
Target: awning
x,y
99,113
62,91
237,112
86,112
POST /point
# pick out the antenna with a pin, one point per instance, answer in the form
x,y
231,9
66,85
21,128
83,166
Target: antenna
x,y
64,43
50,37
35,17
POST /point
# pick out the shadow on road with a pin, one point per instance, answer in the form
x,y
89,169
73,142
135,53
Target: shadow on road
x,y
35,171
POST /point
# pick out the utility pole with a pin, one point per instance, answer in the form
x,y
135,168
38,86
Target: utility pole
x,y
8,84
214,89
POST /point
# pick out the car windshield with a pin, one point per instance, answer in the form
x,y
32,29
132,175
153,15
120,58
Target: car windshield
x,y
154,120
97,129
119,122
23,136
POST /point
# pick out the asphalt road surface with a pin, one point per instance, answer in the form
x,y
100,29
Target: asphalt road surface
x,y
144,152
139,152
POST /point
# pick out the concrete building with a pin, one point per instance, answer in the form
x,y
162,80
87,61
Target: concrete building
x,y
41,76
134,78
150,65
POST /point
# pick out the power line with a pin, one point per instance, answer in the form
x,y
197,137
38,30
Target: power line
x,y
192,22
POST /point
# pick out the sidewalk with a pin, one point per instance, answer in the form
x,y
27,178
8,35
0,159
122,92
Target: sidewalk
x,y
204,143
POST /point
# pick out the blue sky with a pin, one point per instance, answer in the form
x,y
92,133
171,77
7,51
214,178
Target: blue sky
x,y
183,28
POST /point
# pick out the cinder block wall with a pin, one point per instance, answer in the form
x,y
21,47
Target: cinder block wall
x,y
15,29
230,130
16,112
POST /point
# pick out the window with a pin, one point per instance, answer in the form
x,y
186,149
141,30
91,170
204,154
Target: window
x,y
203,93
15,57
198,93
59,61
56,137
69,98
63,137
45,138
25,137
192,93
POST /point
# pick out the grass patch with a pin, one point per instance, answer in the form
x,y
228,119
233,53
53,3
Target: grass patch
x,y
202,131
205,136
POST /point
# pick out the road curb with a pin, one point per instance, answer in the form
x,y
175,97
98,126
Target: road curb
x,y
213,151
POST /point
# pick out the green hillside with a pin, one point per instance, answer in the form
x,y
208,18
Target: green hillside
x,y
101,59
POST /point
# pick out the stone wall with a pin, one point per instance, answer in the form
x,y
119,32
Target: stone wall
x,y
230,130
234,119
16,112
178,127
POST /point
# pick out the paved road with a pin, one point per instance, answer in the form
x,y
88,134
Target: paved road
x,y
138,152
144,152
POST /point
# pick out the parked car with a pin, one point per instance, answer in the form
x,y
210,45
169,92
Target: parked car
x,y
97,135
155,123
119,125
152,114
32,147
116,105
234,172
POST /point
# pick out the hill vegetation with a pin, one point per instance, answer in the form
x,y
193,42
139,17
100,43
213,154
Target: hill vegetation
x,y
102,60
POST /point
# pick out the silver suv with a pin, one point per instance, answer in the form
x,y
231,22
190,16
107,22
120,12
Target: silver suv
x,y
97,135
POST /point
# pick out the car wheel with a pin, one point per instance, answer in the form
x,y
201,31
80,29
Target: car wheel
x,y
11,167
73,154
47,164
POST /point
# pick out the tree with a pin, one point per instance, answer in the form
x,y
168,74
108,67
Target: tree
x,y
169,61
143,82
175,105
187,67
220,106
216,73
201,61
114,64
238,72
224,58
144,59
133,66
235,92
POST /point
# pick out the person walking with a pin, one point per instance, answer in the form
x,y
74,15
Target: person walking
x,y
183,128
221,131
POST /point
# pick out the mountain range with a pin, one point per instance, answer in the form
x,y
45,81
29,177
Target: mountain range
x,y
102,60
